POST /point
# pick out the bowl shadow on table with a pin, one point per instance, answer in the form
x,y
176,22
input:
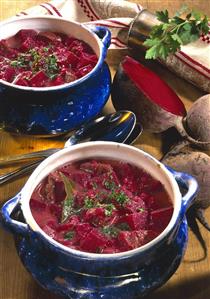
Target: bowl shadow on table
x,y
181,290
196,288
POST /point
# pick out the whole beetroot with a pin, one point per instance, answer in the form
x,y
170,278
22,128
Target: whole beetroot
x,y
196,125
155,104
183,157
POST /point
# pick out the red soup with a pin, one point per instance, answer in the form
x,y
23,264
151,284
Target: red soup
x,y
41,59
101,206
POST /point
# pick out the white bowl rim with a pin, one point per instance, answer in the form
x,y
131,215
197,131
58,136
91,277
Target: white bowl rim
x,y
35,227
65,85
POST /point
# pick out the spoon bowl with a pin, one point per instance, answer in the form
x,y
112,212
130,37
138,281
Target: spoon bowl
x,y
120,127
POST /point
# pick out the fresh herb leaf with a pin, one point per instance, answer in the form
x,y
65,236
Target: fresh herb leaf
x,y
109,208
69,199
95,186
89,203
45,49
140,210
123,226
14,63
69,235
110,185
162,16
168,37
52,66
21,61
112,231
120,197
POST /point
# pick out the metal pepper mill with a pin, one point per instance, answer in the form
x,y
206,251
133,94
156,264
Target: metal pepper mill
x,y
140,28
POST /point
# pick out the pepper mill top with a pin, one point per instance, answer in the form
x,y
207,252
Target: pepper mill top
x,y
141,27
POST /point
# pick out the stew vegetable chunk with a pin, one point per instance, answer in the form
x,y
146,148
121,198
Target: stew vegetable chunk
x,y
44,59
101,206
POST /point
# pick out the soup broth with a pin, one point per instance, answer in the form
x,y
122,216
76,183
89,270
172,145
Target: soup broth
x,y
101,206
44,59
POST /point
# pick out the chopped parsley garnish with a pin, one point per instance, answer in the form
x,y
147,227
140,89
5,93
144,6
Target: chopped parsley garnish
x,y
95,186
89,203
112,231
109,208
122,198
46,49
69,235
36,62
123,226
51,65
140,210
110,185
119,196
22,61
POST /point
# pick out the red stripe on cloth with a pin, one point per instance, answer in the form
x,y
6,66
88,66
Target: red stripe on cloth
x,y
106,24
113,42
184,61
195,62
119,23
139,7
85,9
23,13
91,9
48,10
54,8
117,40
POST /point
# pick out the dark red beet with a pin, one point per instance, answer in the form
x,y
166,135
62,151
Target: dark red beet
x,y
137,88
8,74
132,239
38,79
135,221
104,211
21,81
37,204
82,230
23,34
160,218
53,58
93,241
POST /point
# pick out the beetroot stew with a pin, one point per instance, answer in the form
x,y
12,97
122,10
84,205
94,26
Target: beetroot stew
x,y
44,59
101,206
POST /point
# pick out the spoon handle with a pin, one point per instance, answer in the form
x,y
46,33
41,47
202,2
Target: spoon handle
x,y
17,158
18,172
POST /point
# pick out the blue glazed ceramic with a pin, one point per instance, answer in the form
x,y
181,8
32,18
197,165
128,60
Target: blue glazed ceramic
x,y
81,275
55,110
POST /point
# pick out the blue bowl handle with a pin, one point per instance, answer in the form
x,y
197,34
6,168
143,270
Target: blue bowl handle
x,y
13,225
103,33
190,184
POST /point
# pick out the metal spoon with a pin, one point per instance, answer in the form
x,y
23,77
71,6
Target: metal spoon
x,y
114,127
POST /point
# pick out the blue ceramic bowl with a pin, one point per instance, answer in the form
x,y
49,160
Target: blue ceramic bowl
x,y
55,110
82,275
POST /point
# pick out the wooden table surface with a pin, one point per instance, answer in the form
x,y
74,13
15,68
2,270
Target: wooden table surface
x,y
192,279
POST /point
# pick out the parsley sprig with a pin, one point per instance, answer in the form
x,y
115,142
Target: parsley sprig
x,y
168,37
